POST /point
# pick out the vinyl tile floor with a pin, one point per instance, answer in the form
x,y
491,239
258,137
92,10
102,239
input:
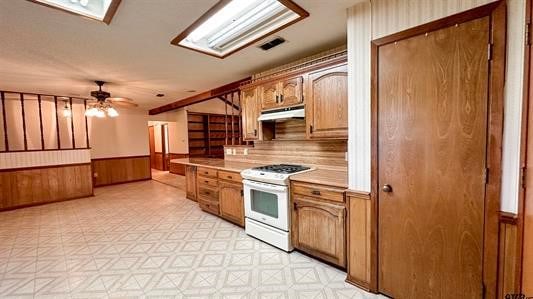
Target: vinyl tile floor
x,y
146,240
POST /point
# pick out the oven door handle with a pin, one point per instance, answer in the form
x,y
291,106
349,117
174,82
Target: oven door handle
x,y
265,187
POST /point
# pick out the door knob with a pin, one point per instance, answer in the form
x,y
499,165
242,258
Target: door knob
x,y
386,188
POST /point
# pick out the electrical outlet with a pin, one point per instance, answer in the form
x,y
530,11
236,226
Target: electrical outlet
x,y
245,151
228,151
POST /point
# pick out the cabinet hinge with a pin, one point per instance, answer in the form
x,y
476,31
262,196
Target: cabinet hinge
x,y
311,129
242,192
523,174
528,34
489,52
486,176
483,290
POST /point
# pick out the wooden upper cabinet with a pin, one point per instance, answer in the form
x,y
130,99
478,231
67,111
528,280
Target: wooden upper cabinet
x,y
231,202
291,91
269,95
284,93
251,110
327,103
318,228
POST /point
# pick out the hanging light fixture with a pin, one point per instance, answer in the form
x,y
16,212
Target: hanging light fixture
x,y
67,112
102,107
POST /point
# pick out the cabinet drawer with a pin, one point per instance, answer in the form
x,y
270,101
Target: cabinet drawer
x,y
207,172
209,206
319,191
207,181
230,176
208,192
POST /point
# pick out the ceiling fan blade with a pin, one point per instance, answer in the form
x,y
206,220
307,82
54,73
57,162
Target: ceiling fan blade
x,y
118,99
124,104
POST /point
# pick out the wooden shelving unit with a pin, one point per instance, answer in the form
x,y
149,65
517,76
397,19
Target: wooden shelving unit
x,y
208,133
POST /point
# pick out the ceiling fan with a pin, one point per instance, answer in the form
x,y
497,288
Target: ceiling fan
x,y
103,105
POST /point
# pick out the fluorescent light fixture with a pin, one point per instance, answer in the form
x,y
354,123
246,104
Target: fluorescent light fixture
x,y
101,10
234,24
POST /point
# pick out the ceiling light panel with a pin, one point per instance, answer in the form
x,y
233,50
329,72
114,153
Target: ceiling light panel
x,y
94,9
235,24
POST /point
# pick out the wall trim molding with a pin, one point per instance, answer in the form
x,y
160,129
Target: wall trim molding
x,y
120,157
45,203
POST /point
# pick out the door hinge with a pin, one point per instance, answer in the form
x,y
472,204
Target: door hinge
x,y
523,174
489,51
242,192
486,174
311,129
528,34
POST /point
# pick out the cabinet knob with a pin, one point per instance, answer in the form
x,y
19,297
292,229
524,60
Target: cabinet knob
x,y
386,188
315,192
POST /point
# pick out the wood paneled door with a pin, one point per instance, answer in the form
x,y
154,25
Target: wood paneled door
x,y
432,115
151,141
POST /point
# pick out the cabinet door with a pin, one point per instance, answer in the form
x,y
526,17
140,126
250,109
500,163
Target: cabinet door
x,y
270,95
190,182
250,113
318,228
291,91
327,103
231,202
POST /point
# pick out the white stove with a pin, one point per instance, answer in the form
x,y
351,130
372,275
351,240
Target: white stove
x,y
274,174
266,203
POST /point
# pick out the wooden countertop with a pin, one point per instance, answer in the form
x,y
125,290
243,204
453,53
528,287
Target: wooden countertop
x,y
219,164
337,178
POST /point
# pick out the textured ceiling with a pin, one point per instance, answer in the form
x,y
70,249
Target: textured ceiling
x,y
49,51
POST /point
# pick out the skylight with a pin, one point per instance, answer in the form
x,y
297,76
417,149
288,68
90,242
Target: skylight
x,y
234,24
101,10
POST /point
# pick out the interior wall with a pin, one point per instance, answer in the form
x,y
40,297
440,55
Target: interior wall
x,y
177,130
373,19
122,136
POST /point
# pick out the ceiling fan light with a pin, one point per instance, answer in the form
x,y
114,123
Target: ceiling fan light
x,y
112,112
91,112
100,113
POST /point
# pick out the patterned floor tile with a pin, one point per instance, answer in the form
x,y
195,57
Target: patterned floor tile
x,y
145,240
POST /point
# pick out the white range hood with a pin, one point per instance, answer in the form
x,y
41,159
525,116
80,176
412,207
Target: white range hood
x,y
282,115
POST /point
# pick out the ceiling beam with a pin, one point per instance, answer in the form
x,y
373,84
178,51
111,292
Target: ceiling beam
x,y
201,97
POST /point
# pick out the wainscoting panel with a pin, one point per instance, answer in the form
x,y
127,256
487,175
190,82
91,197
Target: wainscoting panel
x,y
116,170
38,185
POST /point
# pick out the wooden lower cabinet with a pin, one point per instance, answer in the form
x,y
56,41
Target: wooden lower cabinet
x,y
190,182
318,228
231,201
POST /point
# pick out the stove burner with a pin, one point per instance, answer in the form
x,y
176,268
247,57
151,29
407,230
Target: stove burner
x,y
282,168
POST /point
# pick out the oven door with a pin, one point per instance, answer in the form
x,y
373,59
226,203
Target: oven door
x,y
267,203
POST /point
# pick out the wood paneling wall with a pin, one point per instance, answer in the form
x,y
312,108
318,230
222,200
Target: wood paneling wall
x,y
158,161
323,153
39,185
117,170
